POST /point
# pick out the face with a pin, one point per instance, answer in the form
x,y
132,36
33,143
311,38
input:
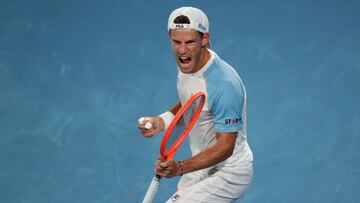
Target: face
x,y
187,46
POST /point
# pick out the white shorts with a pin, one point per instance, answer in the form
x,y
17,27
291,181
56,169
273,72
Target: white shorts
x,y
213,186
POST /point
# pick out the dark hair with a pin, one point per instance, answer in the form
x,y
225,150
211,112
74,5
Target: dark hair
x,y
182,20
185,20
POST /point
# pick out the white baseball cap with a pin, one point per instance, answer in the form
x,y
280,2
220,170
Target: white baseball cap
x,y
198,19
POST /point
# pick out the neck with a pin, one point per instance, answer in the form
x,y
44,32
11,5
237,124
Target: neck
x,y
204,58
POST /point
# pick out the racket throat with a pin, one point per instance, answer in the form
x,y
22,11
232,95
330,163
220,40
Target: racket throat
x,y
157,177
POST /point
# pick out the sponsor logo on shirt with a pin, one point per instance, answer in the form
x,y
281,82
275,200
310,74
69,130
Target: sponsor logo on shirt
x,y
232,120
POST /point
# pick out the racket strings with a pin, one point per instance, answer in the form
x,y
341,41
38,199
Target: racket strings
x,y
175,134
182,124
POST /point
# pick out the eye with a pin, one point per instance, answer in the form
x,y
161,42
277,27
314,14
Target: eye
x,y
176,42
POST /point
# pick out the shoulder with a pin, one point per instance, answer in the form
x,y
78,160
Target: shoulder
x,y
221,70
221,76
223,82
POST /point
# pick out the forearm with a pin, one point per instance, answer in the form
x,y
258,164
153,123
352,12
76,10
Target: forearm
x,y
213,155
175,108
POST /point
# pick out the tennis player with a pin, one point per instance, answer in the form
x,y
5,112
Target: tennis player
x,y
220,168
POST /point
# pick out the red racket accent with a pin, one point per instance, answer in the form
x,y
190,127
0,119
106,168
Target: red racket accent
x,y
171,150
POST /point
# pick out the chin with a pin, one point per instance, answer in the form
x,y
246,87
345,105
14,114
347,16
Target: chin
x,y
186,69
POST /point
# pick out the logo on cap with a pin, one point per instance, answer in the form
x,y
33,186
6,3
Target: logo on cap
x,y
179,26
202,27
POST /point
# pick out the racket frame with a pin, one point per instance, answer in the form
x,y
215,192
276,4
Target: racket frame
x,y
164,155
152,190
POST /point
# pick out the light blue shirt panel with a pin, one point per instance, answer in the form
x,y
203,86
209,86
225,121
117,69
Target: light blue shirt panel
x,y
225,96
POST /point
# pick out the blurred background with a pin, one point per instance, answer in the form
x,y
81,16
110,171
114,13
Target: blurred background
x,y
76,75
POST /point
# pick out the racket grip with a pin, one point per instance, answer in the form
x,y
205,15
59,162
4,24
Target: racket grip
x,y
151,192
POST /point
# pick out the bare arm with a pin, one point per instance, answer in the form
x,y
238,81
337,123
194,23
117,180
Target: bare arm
x,y
220,151
175,108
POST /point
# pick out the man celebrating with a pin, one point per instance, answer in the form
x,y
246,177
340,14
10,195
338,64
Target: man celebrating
x,y
220,168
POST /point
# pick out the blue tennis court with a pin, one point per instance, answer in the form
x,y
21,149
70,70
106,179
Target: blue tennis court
x,y
76,75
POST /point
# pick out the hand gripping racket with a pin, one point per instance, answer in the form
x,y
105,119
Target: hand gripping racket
x,y
176,133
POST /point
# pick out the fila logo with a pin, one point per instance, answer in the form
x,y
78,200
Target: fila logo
x,y
175,197
179,26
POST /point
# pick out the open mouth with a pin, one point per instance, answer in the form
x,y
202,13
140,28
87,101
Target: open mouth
x,y
184,59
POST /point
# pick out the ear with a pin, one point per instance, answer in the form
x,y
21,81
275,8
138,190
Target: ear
x,y
205,39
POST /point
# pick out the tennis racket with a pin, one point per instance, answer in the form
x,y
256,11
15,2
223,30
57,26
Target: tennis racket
x,y
175,134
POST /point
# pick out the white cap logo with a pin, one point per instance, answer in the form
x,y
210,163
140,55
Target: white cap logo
x,y
179,26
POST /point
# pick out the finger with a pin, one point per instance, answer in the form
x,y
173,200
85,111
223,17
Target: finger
x,y
163,164
168,163
146,126
142,129
158,167
148,133
163,173
146,122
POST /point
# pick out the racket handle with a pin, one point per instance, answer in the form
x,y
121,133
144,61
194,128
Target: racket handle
x,y
147,125
151,192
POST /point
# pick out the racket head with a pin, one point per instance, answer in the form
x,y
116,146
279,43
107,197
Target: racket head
x,y
174,136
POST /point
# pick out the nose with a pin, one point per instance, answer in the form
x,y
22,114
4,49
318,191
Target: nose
x,y
182,49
